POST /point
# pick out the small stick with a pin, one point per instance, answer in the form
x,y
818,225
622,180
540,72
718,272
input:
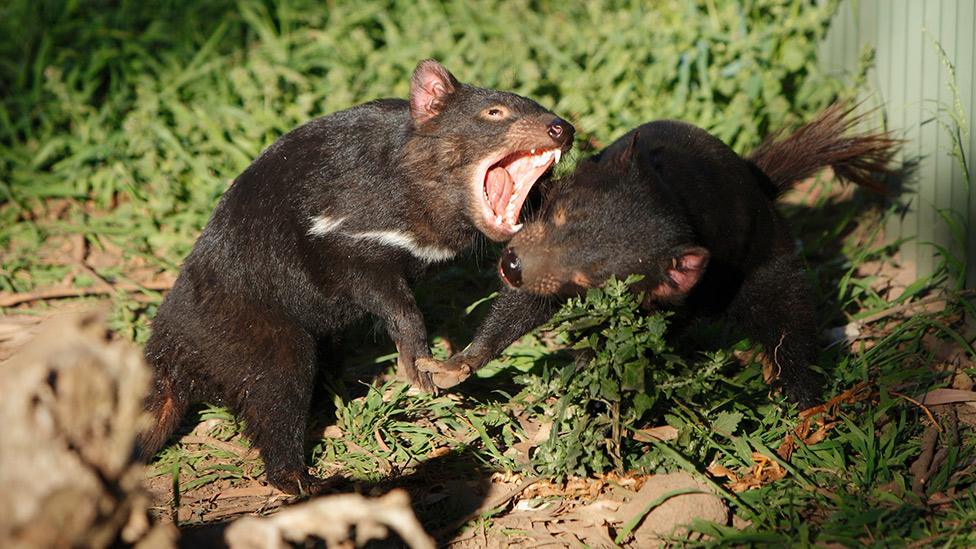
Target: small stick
x,y
244,453
923,407
61,293
910,305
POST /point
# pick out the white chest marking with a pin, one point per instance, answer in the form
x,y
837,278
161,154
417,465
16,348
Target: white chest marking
x,y
322,225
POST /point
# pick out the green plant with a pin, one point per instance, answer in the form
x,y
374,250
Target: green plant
x,y
624,369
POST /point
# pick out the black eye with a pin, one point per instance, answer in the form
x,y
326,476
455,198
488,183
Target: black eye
x,y
495,112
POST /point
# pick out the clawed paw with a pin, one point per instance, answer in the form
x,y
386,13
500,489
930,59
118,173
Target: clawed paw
x,y
407,371
300,483
444,374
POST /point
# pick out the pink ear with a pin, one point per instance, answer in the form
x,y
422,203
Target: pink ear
x,y
627,156
429,85
685,270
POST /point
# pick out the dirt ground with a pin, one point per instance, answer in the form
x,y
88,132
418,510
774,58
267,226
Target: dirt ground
x,y
459,501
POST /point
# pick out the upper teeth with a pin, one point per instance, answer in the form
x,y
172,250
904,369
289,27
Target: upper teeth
x,y
542,159
539,159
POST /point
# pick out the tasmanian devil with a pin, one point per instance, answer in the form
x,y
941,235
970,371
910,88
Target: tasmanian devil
x,y
326,225
673,203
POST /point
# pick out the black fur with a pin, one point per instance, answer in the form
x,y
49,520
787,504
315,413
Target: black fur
x,y
331,223
673,203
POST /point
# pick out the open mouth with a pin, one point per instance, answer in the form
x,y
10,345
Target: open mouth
x,y
507,183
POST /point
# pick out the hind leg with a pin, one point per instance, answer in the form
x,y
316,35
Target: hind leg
x,y
775,307
274,399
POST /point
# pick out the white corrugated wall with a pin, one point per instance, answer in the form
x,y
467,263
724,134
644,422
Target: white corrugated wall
x,y
912,81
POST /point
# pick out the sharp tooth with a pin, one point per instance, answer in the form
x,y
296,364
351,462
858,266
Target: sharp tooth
x,y
557,153
532,151
517,228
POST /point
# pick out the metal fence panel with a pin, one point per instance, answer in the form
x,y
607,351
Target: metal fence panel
x,y
915,84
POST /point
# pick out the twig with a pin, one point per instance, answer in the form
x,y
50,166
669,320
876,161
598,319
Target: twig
x,y
379,440
243,453
943,452
11,300
910,305
94,274
919,468
248,508
923,407
856,325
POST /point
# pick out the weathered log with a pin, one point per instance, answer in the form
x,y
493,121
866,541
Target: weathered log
x,y
331,519
70,410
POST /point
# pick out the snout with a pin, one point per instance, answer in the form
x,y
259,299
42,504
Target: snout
x,y
561,132
530,272
510,268
533,263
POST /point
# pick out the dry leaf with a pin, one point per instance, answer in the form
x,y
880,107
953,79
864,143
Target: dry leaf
x,y
947,396
662,433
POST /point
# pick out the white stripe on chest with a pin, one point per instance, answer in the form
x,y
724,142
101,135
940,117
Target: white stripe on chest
x,y
322,225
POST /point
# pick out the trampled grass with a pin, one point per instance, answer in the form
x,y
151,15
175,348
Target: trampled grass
x,y
121,124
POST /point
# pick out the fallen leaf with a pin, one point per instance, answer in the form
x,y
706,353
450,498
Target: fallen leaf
x,y
332,431
947,396
719,470
763,471
662,433
439,452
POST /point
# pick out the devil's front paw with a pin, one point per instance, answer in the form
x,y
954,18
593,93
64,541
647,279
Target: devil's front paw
x,y
445,373
407,371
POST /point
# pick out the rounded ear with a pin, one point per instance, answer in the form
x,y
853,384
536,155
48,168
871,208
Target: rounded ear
x,y
430,84
686,267
626,158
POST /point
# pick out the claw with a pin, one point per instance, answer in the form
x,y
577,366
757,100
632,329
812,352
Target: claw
x,y
443,375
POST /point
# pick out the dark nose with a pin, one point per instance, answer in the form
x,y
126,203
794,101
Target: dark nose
x,y
561,131
510,268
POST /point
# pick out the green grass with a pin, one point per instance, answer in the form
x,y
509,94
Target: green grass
x,y
122,123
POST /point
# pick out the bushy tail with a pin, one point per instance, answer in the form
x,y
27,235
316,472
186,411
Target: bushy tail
x,y
825,142
166,407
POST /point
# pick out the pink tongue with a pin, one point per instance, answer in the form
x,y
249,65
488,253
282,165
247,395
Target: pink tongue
x,y
499,186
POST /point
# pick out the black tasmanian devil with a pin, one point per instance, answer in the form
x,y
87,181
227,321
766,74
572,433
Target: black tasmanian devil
x,y
673,203
326,225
